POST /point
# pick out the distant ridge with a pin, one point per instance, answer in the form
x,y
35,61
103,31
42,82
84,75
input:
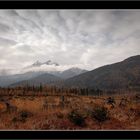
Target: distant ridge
x,y
71,72
121,75
49,78
41,79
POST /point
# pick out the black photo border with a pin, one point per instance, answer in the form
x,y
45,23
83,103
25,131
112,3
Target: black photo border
x,y
69,4
66,4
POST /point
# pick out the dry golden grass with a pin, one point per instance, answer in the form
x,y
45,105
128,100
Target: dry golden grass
x,y
51,113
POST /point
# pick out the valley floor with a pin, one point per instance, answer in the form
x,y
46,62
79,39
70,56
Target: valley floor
x,y
70,112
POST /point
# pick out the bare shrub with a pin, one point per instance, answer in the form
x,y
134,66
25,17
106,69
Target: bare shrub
x,y
45,104
123,102
111,101
22,116
77,118
11,108
100,114
131,114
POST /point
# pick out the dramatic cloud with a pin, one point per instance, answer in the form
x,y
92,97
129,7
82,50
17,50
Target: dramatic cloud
x,y
73,38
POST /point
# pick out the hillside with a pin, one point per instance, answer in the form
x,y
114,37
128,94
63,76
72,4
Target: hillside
x,y
41,79
10,79
121,75
71,73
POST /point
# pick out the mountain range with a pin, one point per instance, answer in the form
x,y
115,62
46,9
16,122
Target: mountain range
x,y
19,79
121,75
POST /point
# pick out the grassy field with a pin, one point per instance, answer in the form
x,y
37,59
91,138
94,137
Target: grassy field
x,y
70,112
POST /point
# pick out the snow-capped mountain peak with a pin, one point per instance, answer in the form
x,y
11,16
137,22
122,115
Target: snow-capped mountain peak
x,y
37,63
49,62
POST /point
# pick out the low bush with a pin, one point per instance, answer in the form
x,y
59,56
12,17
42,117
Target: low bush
x,y
77,118
100,114
22,116
25,114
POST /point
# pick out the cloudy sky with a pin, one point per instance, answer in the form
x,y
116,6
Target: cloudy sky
x,y
83,38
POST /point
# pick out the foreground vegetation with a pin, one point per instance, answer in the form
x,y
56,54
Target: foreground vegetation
x,y
51,108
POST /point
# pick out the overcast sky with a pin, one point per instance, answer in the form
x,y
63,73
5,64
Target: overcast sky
x,y
84,38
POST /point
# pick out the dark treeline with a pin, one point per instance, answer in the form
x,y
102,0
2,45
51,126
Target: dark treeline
x,y
54,90
47,90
